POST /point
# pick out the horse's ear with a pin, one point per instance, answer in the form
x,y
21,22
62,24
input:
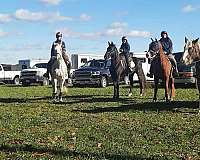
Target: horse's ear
x,y
156,40
112,43
195,41
152,39
108,43
186,39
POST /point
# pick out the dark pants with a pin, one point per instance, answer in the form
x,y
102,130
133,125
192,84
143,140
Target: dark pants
x,y
127,56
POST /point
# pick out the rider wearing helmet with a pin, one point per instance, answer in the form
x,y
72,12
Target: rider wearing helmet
x,y
53,54
125,49
167,46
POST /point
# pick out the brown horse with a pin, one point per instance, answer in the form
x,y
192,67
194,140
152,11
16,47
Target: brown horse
x,y
162,70
192,55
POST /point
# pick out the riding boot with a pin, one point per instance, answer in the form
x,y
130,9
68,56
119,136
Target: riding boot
x,y
150,74
175,71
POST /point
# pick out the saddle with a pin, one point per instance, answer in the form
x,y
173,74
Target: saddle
x,y
128,62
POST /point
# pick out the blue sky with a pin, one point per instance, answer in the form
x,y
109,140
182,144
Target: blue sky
x,y
27,27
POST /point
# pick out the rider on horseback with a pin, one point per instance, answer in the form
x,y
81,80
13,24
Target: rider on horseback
x,y
167,46
53,54
125,49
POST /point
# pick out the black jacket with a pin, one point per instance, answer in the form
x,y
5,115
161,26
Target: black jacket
x,y
167,45
125,48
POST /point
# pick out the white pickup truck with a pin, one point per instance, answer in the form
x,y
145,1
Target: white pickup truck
x,y
9,73
34,75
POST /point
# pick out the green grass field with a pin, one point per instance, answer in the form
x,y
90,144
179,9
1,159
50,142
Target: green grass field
x,y
89,124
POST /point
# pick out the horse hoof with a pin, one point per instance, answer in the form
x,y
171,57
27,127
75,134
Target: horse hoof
x,y
130,94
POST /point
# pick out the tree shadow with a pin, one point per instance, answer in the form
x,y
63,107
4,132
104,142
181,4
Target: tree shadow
x,y
175,106
69,153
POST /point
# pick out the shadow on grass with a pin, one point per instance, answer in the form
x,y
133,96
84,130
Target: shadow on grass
x,y
68,153
23,100
176,106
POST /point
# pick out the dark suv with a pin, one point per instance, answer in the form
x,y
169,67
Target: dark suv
x,y
93,72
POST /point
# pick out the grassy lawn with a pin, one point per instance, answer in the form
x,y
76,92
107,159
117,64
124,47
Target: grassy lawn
x,y
89,124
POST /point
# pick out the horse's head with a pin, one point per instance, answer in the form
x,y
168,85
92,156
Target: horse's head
x,y
111,51
154,47
191,51
58,49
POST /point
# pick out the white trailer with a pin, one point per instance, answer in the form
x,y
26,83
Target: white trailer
x,y
78,60
28,63
145,64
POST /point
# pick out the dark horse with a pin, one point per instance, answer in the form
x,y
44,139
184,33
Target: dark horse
x,y
192,55
163,70
119,68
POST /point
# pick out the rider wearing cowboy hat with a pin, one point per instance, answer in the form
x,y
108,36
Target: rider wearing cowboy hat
x,y
167,46
125,49
53,54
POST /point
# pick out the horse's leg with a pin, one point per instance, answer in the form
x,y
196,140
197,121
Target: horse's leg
x,y
141,88
198,87
155,89
61,89
131,84
54,85
166,89
172,89
115,87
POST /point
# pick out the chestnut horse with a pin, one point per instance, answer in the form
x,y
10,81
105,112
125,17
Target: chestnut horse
x,y
162,70
192,55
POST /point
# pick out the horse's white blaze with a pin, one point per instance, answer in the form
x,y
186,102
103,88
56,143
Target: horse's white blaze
x,y
132,64
186,57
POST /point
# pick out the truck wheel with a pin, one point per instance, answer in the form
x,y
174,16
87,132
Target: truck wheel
x,y
103,82
16,81
45,82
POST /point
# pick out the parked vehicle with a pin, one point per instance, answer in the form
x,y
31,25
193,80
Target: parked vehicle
x,y
9,73
94,72
34,75
186,72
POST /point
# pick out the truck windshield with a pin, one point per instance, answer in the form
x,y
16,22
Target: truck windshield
x,y
40,65
98,64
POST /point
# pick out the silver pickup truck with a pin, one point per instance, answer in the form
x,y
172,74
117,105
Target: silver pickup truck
x,y
9,73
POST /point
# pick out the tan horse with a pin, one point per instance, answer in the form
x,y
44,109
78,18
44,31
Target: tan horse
x,y
58,73
192,55
162,70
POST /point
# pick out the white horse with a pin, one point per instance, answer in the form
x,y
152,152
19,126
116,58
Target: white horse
x,y
58,73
